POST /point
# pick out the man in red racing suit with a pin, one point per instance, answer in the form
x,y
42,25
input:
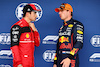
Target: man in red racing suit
x,y
24,38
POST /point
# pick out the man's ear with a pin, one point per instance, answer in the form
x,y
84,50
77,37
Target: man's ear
x,y
70,11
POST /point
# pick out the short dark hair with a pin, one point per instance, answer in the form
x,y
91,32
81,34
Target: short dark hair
x,y
71,13
24,14
27,8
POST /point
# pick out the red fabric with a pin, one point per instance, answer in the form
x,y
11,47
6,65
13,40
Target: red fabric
x,y
16,55
34,7
37,38
24,52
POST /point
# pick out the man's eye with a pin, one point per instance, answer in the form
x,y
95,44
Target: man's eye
x,y
34,12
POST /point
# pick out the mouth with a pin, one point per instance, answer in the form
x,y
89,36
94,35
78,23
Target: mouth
x,y
59,15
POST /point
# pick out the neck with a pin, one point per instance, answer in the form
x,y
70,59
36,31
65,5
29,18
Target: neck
x,y
27,19
67,19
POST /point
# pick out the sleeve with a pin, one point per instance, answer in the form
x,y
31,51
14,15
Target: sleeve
x,y
78,32
15,36
36,38
55,57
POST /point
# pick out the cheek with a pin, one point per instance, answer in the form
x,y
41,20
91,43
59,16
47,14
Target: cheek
x,y
63,15
36,15
33,16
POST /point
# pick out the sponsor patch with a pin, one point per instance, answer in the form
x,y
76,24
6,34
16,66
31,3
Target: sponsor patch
x,y
80,32
27,35
64,39
70,25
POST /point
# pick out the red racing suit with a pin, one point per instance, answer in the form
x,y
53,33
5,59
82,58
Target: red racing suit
x,y
23,42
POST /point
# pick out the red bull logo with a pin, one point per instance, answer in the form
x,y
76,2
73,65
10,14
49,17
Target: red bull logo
x,y
74,51
63,39
63,46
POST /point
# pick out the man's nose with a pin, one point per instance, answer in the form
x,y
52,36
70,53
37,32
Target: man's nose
x,y
59,12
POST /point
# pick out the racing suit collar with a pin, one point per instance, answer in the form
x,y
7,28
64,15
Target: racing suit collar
x,y
66,23
24,21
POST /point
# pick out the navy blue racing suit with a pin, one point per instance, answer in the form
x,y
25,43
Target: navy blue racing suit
x,y
69,43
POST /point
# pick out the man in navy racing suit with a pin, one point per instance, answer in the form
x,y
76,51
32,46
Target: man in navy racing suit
x,y
70,38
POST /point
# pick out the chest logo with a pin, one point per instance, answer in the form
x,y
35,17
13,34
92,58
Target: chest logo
x,y
70,25
63,46
80,32
64,39
27,35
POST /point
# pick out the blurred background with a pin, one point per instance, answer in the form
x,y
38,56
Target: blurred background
x,y
48,24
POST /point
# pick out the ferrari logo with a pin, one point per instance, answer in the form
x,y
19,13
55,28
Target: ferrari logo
x,y
27,35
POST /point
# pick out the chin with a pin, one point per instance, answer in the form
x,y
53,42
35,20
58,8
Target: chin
x,y
62,18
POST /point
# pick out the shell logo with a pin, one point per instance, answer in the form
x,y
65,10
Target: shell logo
x,y
70,25
27,35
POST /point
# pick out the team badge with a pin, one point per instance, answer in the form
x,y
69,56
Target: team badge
x,y
64,39
70,25
27,35
80,32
